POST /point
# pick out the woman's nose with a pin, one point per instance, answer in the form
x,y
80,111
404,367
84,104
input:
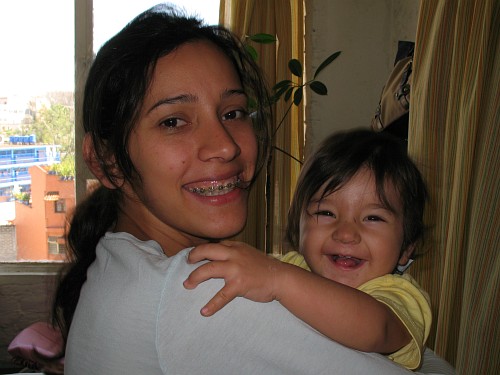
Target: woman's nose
x,y
217,142
346,232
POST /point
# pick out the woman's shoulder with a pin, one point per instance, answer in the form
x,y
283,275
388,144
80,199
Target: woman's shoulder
x,y
116,317
128,273
122,249
123,241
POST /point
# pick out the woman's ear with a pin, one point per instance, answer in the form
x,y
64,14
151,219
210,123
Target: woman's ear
x,y
94,164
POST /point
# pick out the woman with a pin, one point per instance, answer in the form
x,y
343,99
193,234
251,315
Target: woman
x,y
170,138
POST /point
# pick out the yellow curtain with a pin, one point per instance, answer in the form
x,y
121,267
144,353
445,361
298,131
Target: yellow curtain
x,y
454,135
283,18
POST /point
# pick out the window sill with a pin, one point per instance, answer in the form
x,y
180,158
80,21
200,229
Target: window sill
x,y
31,268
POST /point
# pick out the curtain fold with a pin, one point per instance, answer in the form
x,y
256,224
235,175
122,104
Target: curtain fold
x,y
283,18
454,136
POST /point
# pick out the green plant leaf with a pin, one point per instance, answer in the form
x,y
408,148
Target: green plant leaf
x,y
327,62
278,93
280,84
297,97
319,87
295,67
288,94
251,51
262,38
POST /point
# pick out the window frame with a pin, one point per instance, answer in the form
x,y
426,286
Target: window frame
x,y
84,56
83,16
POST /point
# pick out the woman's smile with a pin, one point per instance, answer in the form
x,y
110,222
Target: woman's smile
x,y
213,188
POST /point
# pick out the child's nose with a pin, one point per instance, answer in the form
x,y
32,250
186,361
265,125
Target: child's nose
x,y
346,232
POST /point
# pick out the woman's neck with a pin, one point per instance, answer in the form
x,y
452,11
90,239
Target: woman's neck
x,y
149,228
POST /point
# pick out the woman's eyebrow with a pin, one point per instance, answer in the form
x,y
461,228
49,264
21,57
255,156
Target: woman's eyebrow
x,y
229,93
190,98
184,98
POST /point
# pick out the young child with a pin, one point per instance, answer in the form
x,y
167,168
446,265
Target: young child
x,y
356,218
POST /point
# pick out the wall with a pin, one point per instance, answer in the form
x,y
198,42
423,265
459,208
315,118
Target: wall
x,y
30,221
367,33
8,252
25,292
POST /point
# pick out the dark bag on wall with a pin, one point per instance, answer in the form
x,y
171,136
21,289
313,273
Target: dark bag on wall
x,y
392,112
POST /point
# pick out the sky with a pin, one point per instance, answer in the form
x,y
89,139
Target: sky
x,y
37,49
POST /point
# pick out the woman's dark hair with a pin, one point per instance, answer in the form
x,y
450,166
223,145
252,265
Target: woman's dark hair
x,y
114,93
341,156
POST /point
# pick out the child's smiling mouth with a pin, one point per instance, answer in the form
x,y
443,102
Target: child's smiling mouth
x,y
346,261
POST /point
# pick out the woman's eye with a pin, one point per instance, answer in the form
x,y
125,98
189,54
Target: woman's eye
x,y
235,115
173,122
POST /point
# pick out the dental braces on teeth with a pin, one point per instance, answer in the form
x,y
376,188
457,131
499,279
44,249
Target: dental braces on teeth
x,y
211,189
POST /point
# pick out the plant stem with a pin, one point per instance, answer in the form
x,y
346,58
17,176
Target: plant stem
x,y
282,120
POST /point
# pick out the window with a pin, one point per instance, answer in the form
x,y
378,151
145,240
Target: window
x,y
44,47
60,206
56,245
37,73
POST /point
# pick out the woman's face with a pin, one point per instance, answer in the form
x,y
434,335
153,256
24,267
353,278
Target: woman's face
x,y
193,146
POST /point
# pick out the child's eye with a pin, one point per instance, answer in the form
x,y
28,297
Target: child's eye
x,y
173,122
235,115
374,218
324,213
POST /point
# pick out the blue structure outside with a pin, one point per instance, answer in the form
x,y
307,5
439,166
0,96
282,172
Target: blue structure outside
x,y
23,139
16,158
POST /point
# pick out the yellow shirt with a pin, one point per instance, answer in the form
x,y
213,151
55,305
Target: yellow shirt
x,y
405,298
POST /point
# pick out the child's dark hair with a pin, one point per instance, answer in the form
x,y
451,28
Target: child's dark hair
x,y
341,156
114,93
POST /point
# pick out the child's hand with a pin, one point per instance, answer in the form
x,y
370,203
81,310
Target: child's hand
x,y
247,272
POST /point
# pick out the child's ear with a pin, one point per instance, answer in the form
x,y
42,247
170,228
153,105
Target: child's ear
x,y
94,164
406,255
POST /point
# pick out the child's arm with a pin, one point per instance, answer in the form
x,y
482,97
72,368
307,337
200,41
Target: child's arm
x,y
344,314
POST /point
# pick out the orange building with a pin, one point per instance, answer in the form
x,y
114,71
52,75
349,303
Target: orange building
x,y
40,223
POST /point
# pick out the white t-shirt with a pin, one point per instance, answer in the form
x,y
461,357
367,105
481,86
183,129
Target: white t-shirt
x,y
135,317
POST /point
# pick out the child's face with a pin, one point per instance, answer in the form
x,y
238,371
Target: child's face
x,y
350,237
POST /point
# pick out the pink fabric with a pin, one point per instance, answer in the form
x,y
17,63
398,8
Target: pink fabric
x,y
39,337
